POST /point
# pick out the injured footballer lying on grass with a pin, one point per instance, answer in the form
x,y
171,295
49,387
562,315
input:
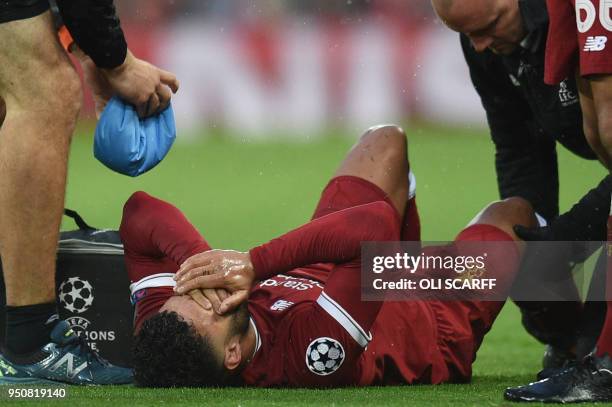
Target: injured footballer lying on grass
x,y
289,312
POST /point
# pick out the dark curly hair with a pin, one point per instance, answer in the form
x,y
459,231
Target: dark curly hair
x,y
168,352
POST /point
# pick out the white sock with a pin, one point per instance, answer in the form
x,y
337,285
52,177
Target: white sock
x,y
411,185
541,221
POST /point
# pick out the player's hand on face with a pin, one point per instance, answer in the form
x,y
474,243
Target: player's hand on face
x,y
227,269
141,84
209,298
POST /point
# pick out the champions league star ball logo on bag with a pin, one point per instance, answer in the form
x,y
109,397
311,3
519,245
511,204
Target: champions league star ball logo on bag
x,y
76,295
324,356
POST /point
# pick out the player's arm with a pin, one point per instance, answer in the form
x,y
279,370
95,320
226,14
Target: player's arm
x,y
585,222
601,87
156,229
335,238
589,116
157,238
338,320
525,162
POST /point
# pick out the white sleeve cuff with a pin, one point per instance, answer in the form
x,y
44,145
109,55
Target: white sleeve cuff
x,y
154,280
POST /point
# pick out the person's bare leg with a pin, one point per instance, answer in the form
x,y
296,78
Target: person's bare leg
x,y
551,322
43,96
507,213
601,87
381,157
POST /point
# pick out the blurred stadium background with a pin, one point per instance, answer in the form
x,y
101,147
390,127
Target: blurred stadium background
x,y
273,93
297,67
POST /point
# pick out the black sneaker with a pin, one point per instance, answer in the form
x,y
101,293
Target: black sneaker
x,y
555,360
588,381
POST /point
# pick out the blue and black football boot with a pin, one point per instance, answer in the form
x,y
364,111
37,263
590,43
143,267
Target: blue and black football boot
x,y
587,381
66,359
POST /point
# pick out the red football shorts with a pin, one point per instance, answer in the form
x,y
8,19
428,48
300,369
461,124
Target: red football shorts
x,y
462,325
578,37
347,191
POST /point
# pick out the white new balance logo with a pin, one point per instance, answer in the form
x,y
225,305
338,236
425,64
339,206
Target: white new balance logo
x,y
597,43
281,305
68,361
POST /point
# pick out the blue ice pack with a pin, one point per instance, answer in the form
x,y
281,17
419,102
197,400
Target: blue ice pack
x,y
130,145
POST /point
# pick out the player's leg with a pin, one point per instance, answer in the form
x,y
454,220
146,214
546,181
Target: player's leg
x,y
596,105
505,214
596,67
42,94
495,223
604,343
601,88
503,263
466,322
381,157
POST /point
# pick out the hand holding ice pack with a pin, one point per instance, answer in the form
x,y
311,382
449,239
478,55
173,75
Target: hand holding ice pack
x,y
130,145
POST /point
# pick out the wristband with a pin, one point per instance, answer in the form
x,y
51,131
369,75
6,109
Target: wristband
x,y
65,38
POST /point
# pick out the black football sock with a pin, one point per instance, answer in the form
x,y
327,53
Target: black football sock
x,y
29,327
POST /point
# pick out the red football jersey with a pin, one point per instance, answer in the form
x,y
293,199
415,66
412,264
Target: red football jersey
x,y
372,343
296,318
578,36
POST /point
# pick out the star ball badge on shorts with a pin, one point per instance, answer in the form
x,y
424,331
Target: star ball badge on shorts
x,y
129,145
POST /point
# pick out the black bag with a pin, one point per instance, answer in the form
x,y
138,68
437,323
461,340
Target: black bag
x,y
93,292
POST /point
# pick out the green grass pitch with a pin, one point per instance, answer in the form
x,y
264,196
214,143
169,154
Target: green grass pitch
x,y
240,193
